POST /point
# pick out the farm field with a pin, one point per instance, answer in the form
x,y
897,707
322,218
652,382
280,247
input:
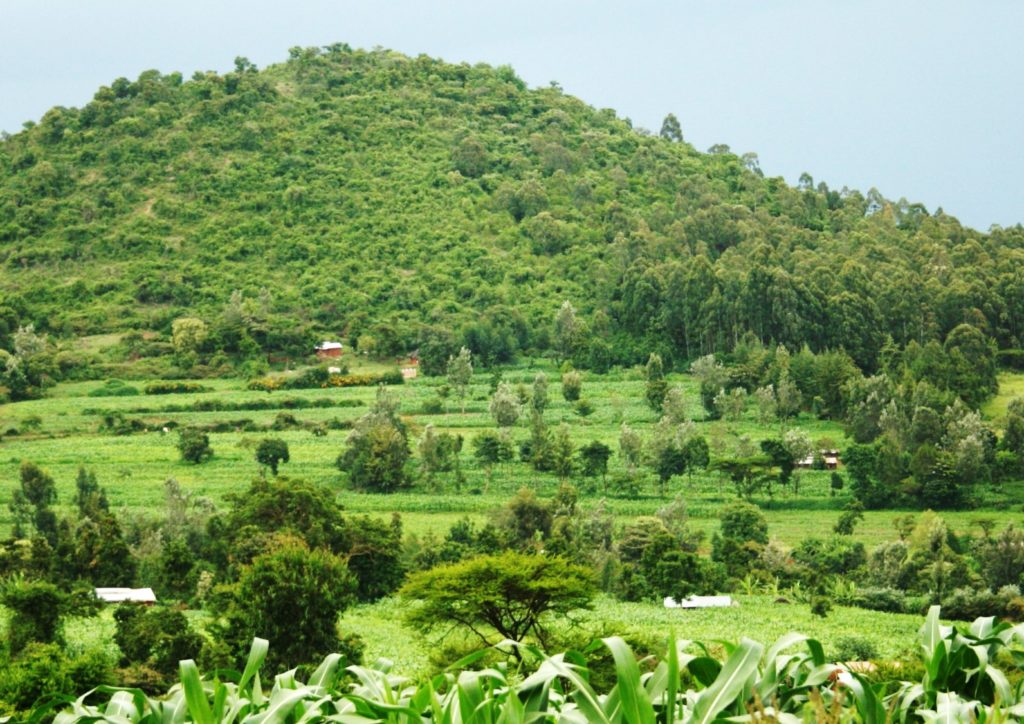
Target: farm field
x,y
65,431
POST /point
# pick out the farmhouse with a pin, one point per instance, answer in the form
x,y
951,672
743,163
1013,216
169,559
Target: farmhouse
x,y
126,595
327,350
829,458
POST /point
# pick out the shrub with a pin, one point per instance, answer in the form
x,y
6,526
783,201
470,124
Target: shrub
x,y
194,445
36,608
307,381
156,638
572,385
855,648
433,406
174,388
114,388
584,408
890,600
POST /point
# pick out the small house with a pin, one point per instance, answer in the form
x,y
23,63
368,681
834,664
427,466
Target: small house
x,y
700,602
328,350
144,596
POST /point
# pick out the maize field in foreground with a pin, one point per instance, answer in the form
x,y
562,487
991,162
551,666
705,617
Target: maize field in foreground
x,y
967,678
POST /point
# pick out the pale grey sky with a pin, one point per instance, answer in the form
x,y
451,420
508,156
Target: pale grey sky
x,y
918,98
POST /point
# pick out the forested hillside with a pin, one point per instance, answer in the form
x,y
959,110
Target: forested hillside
x,y
409,203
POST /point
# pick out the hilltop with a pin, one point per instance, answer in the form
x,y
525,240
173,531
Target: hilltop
x,y
410,203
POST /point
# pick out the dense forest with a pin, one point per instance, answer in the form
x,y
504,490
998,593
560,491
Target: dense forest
x,y
407,203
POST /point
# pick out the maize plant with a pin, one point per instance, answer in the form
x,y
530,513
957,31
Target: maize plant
x,y
789,681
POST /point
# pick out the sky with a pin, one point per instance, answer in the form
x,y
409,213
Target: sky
x,y
919,99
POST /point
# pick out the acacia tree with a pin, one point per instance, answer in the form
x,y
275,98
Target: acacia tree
x,y
510,594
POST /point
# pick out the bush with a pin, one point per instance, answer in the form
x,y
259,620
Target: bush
x,y
308,381
114,388
174,388
433,406
855,648
156,638
889,600
36,608
1011,358
584,408
967,604
194,445
572,384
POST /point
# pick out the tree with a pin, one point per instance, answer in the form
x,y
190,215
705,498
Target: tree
x,y
291,596
712,377
187,336
377,450
568,330
31,502
572,384
194,445
731,404
491,448
510,594
972,364
670,129
90,498
505,407
674,406
375,456
631,447
460,374
438,451
743,533
272,452
594,460
539,396
848,519
36,609
657,387
469,157
563,453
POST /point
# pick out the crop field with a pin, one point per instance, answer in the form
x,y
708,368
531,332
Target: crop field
x,y
66,430
759,617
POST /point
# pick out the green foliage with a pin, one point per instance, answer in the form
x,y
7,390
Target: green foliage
x,y
272,452
173,388
292,596
31,501
963,677
194,445
657,387
510,594
572,385
157,638
36,608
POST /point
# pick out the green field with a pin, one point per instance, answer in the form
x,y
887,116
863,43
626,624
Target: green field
x,y
134,467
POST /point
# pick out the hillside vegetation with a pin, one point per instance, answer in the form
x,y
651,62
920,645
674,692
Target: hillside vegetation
x,y
411,203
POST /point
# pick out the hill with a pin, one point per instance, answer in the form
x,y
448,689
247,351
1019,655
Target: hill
x,y
410,203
